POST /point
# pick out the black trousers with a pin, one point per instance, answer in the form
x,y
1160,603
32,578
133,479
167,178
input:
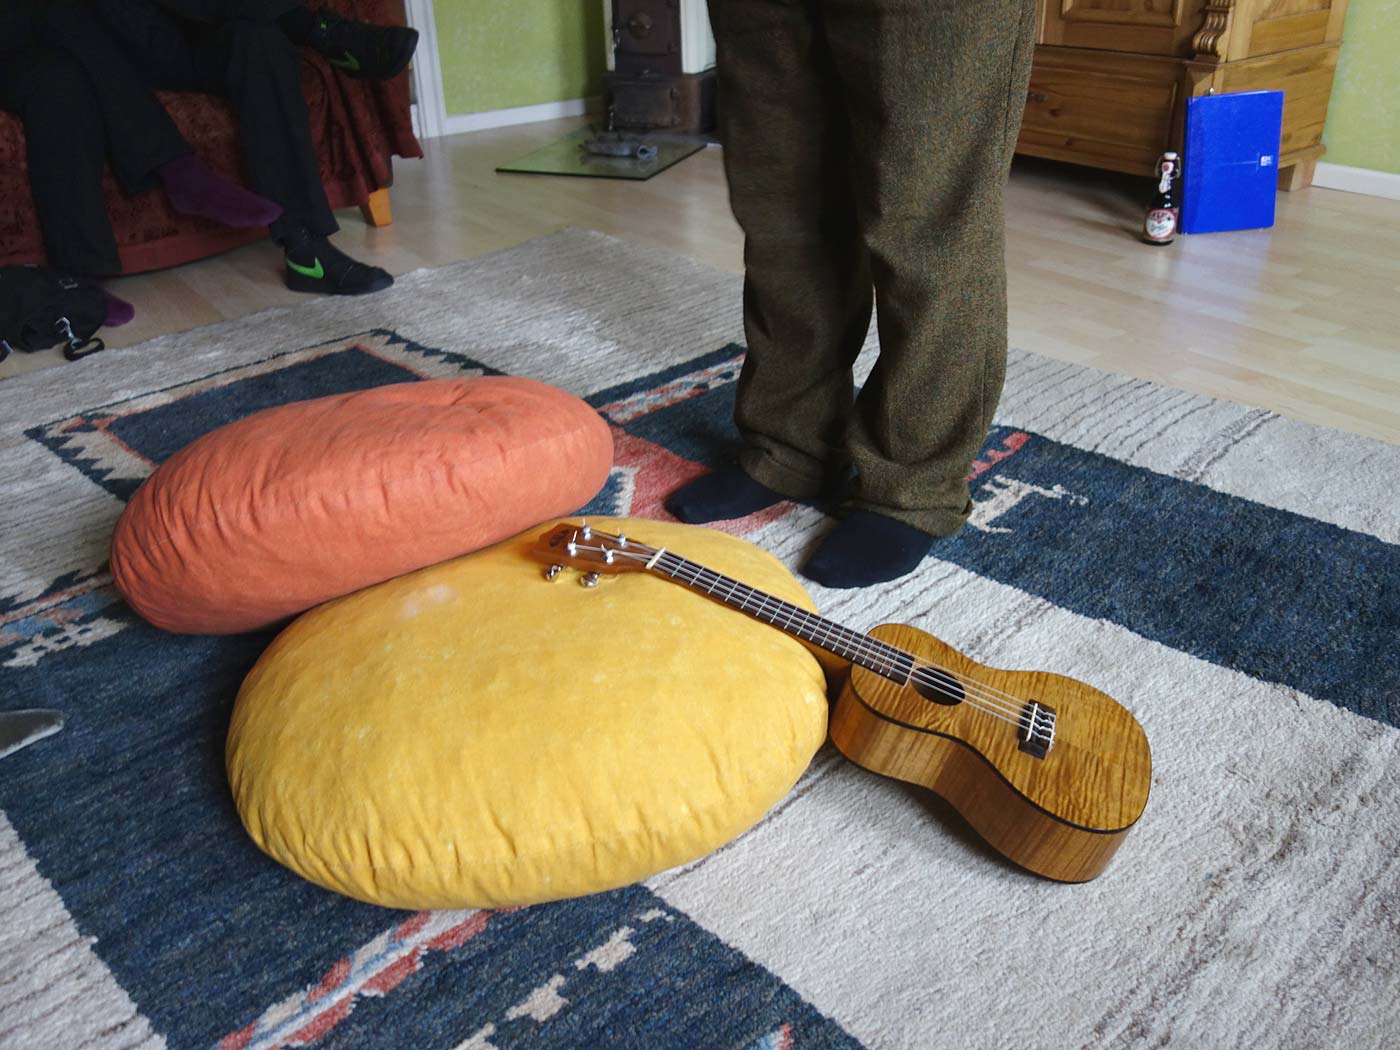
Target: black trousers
x,y
235,48
75,122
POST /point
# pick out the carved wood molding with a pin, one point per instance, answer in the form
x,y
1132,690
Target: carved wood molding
x,y
1210,40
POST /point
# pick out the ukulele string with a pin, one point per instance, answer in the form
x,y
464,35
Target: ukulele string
x,y
992,701
870,648
933,676
983,698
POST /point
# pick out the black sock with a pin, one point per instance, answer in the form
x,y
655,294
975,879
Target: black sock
x,y
727,493
867,548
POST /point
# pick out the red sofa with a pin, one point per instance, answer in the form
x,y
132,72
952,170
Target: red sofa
x,y
358,127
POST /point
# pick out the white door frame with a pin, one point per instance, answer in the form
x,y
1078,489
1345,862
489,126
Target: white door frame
x,y
430,117
430,110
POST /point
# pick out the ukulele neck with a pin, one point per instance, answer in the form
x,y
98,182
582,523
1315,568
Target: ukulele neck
x,y
860,649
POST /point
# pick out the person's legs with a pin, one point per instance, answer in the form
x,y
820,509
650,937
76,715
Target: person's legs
x,y
251,61
935,92
359,49
142,143
807,288
139,134
65,150
260,71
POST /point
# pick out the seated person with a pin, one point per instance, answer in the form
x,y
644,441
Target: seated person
x,y
69,138
246,50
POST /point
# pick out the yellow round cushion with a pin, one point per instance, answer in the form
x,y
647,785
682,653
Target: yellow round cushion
x,y
472,735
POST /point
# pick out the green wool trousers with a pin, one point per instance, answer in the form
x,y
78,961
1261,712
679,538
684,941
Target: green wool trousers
x,y
867,144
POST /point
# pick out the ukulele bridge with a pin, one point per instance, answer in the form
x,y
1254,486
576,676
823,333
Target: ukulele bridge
x,y
1037,729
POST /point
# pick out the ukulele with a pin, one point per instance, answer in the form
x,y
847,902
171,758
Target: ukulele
x,y
1050,771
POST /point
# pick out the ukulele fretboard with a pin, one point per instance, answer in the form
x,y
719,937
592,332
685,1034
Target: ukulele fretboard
x,y
894,664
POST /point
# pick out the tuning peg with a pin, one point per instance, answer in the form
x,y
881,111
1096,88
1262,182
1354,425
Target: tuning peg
x,y
588,579
587,530
553,571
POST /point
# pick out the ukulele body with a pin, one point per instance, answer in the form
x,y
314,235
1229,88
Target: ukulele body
x,y
1062,814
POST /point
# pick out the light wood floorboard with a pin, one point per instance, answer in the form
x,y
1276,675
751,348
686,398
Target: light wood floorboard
x,y
1303,319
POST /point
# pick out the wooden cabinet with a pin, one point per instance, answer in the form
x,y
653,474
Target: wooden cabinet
x,y
1149,27
1111,77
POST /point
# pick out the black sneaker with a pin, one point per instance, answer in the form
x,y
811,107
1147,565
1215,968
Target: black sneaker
x,y
361,49
315,265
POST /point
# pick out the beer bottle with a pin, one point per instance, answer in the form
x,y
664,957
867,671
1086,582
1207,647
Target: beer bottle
x,y
1159,227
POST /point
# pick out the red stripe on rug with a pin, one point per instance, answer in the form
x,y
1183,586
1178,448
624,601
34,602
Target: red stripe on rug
x,y
334,978
410,926
459,934
659,472
1010,445
321,1024
238,1040
389,978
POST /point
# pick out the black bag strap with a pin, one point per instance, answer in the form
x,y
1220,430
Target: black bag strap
x,y
75,346
40,308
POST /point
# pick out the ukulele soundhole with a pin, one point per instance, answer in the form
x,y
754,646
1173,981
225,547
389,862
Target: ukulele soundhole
x,y
938,686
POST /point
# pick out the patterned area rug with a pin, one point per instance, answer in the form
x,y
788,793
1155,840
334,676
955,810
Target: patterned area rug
x,y
1232,577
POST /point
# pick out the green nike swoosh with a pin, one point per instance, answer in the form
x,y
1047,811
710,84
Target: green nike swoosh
x,y
349,63
314,272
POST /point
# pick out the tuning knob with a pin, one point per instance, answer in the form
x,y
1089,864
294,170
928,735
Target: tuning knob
x,y
589,579
553,571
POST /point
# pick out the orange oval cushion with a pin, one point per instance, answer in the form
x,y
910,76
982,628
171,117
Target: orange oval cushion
x,y
295,505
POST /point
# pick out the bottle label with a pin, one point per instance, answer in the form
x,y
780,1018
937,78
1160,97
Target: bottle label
x,y
1160,224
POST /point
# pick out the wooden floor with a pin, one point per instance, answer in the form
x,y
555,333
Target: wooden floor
x,y
1303,319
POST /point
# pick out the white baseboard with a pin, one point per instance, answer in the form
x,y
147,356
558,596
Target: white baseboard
x,y
457,123
1357,180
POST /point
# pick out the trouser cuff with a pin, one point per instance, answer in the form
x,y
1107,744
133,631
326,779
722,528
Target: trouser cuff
x,y
793,480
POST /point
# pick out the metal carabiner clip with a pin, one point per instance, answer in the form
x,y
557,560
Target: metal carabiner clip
x,y
75,348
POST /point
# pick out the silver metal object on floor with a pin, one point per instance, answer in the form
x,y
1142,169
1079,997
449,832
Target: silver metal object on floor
x,y
612,155
20,728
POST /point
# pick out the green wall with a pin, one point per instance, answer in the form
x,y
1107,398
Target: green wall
x,y
501,53
1363,120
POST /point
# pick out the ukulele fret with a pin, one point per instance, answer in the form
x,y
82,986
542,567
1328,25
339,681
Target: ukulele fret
x,y
884,660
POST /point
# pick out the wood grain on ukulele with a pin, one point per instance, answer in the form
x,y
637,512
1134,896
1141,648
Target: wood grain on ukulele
x,y
1050,771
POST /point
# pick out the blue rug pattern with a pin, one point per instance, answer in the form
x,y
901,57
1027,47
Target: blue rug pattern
x,y
208,936
219,946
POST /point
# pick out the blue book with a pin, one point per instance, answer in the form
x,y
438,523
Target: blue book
x,y
1230,168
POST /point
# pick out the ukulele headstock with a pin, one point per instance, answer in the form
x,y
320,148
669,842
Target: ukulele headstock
x,y
592,552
